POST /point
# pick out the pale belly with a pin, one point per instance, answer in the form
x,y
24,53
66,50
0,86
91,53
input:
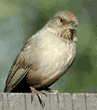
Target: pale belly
x,y
53,63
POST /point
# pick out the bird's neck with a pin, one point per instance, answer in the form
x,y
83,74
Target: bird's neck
x,y
61,35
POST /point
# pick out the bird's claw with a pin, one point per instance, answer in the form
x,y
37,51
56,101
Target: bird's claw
x,y
38,94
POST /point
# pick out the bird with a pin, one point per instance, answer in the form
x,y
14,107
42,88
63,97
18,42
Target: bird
x,y
45,57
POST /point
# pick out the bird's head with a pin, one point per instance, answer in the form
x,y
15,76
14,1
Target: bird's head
x,y
64,23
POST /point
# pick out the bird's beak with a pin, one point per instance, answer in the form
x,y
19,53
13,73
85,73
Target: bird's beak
x,y
72,27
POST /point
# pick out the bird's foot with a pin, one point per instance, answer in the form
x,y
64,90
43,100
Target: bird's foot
x,y
51,90
38,94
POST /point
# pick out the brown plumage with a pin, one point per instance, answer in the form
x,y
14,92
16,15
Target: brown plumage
x,y
46,56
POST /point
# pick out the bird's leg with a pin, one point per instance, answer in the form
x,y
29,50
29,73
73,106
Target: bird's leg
x,y
38,94
36,91
51,90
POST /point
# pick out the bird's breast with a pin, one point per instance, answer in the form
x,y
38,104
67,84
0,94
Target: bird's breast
x,y
54,57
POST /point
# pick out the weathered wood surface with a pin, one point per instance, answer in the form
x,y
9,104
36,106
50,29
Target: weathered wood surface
x,y
60,101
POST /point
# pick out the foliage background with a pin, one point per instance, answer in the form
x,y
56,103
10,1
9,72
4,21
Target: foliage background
x,y
20,19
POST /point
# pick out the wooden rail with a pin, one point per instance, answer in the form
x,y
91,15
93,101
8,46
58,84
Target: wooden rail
x,y
66,101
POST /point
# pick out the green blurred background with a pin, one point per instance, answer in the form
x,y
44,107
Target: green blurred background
x,y
20,19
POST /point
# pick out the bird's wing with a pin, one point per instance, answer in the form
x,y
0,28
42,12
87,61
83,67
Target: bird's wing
x,y
18,71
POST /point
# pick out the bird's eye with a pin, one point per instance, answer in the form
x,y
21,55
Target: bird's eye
x,y
61,20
